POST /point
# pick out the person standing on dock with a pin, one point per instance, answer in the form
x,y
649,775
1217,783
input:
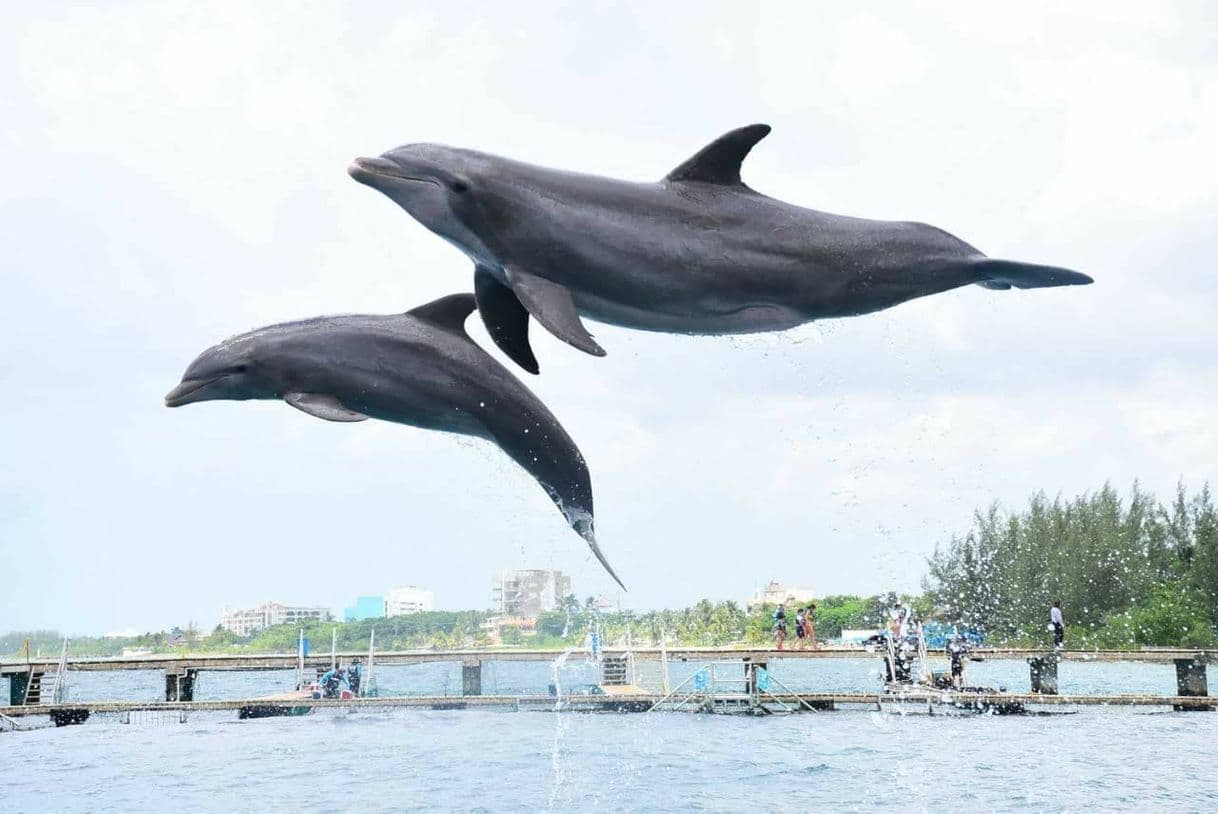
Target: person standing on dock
x,y
799,629
354,674
1057,625
810,626
780,625
957,649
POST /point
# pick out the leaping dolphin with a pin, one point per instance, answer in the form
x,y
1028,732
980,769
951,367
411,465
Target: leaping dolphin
x,y
418,368
698,252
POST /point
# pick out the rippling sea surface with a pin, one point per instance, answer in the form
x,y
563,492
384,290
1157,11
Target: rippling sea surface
x,y
394,760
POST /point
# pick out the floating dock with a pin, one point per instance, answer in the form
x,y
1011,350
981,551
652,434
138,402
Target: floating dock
x,y
77,712
742,683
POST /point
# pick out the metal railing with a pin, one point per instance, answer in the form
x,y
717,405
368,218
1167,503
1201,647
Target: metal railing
x,y
60,685
711,690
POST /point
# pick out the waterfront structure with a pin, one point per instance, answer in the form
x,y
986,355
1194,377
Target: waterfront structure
x,y
366,607
529,593
409,599
244,621
775,593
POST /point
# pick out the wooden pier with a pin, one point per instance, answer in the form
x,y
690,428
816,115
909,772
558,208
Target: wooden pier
x,y
741,666
78,712
175,662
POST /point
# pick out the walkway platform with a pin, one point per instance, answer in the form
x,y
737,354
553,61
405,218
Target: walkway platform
x,y
175,662
618,702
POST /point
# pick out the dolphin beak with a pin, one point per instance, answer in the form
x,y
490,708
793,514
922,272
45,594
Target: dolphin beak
x,y
182,393
366,169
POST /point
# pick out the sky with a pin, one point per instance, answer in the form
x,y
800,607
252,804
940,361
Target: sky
x,y
175,173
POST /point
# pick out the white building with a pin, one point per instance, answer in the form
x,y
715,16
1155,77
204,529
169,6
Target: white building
x,y
775,593
529,593
409,599
244,621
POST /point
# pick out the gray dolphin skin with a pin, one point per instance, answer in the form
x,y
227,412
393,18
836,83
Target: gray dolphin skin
x,y
697,252
418,368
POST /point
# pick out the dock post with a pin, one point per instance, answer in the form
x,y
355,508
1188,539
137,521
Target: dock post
x,y
1043,671
180,684
17,682
471,677
750,674
1191,679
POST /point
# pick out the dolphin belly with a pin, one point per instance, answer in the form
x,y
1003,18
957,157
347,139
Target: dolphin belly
x,y
690,317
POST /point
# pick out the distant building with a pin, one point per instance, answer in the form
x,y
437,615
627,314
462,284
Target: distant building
x,y
244,621
366,607
495,625
409,599
529,593
776,593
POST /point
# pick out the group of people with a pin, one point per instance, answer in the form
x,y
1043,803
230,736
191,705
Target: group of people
x,y
805,627
334,680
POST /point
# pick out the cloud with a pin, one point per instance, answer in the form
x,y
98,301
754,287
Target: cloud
x,y
175,174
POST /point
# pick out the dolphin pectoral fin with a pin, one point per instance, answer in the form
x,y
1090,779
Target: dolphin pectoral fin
x,y
321,405
552,306
719,162
506,320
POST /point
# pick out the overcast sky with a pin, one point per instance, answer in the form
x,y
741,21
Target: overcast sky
x,y
175,173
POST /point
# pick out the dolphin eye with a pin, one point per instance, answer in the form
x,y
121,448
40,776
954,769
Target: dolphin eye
x,y
458,185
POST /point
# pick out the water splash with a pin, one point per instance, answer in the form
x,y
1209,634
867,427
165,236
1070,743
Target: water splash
x,y
560,725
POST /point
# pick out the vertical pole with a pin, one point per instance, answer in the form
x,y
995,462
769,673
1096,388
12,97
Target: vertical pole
x,y
664,662
333,647
1191,679
300,660
367,680
1043,673
186,684
17,683
471,677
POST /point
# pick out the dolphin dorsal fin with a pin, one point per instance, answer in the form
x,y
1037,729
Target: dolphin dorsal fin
x,y
447,312
719,162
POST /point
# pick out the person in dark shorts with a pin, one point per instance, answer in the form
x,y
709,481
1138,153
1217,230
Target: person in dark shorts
x,y
799,629
329,683
354,674
1057,624
957,649
780,625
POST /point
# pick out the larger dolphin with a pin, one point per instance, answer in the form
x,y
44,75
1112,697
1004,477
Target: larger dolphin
x,y
418,368
697,252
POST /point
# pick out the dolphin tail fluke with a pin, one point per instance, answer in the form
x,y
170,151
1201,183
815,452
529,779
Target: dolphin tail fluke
x,y
1004,274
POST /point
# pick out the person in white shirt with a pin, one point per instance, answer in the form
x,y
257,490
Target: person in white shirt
x,y
1057,625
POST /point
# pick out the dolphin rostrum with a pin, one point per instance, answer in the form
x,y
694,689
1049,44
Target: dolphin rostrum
x,y
418,368
697,252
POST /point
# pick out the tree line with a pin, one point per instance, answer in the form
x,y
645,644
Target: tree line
x,y
1128,571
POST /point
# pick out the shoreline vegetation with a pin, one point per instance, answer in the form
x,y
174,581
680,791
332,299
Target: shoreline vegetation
x,y
1130,573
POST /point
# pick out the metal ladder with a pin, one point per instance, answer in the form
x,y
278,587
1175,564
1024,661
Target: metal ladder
x,y
36,684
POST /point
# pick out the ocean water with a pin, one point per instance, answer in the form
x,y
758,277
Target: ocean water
x,y
399,760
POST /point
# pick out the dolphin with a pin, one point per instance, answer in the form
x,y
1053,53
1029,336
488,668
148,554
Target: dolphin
x,y
698,252
419,368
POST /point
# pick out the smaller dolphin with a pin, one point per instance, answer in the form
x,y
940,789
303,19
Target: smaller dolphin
x,y
697,252
419,368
